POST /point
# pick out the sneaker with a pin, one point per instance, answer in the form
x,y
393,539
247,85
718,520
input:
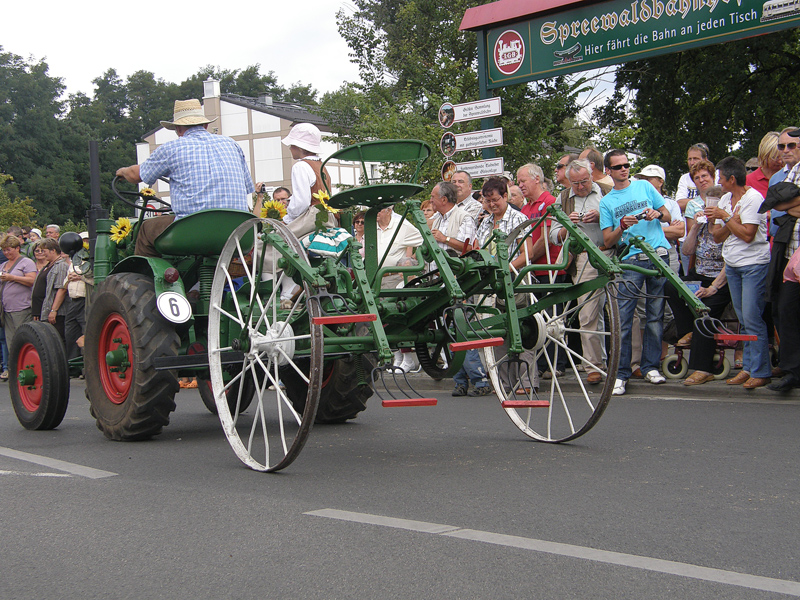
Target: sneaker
x,y
619,387
484,390
410,364
459,390
549,375
653,376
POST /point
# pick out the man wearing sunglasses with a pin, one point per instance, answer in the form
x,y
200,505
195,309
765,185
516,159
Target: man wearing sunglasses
x,y
635,208
561,169
789,149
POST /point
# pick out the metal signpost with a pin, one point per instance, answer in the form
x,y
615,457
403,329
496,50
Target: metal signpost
x,y
451,143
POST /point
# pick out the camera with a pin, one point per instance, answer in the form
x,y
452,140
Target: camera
x,y
641,215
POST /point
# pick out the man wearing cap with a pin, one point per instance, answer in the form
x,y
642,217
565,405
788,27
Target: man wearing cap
x,y
205,171
781,286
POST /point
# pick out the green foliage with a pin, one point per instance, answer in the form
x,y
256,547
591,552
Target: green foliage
x,y
71,225
14,211
411,58
727,96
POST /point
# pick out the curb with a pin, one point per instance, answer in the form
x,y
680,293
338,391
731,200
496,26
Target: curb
x,y
638,388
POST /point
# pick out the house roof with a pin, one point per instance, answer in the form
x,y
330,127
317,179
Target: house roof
x,y
506,11
296,113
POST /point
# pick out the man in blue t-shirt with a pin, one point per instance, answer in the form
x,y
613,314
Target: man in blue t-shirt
x,y
635,208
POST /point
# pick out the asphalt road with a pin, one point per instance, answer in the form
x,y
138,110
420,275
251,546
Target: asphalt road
x,y
664,498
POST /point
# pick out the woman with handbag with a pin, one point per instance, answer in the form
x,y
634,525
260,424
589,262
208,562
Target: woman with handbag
x,y
16,278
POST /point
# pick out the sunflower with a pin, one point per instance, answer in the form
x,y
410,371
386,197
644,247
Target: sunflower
x,y
273,209
322,195
121,230
147,192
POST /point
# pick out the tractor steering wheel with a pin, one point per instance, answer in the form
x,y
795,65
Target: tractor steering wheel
x,y
123,195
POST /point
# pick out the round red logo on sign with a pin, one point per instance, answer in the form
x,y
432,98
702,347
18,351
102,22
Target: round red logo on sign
x,y
509,51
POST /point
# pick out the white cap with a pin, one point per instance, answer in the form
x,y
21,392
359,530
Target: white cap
x,y
652,171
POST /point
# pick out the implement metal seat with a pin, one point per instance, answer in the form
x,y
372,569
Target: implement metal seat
x,y
374,193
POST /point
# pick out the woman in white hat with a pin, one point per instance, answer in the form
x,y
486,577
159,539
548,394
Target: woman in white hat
x,y
304,143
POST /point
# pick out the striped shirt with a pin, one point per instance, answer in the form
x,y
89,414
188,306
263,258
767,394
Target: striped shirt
x,y
205,171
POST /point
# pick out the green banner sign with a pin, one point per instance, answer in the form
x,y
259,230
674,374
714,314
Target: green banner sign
x,y
623,30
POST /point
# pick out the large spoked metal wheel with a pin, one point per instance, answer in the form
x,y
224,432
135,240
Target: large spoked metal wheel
x,y
564,407
130,399
271,341
232,392
39,385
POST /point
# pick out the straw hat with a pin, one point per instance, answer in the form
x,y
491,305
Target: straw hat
x,y
305,136
187,113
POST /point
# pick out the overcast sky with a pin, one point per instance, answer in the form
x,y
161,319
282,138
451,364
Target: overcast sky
x,y
79,41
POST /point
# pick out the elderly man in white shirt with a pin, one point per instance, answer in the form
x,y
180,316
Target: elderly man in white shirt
x,y
582,205
463,182
452,226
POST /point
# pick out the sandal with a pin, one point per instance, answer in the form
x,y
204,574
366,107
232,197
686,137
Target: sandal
x,y
697,378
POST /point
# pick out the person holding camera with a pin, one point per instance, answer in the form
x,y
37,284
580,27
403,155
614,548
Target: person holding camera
x,y
635,208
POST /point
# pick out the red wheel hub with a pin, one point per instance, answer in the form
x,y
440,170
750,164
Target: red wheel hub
x,y
29,378
115,358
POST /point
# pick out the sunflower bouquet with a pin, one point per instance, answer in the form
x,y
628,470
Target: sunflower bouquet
x,y
121,233
323,210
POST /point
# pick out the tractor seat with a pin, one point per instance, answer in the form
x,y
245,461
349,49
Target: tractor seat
x,y
203,233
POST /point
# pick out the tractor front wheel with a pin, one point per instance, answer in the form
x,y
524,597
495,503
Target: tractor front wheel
x,y
129,398
40,376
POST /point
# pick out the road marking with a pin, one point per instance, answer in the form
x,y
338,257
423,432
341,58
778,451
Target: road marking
x,y
756,582
58,465
35,474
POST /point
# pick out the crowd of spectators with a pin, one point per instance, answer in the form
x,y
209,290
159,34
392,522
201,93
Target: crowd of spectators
x,y
727,231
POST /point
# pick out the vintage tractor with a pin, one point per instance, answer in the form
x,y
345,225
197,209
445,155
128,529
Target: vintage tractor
x,y
271,371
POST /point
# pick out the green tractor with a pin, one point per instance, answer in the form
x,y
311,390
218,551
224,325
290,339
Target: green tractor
x,y
270,370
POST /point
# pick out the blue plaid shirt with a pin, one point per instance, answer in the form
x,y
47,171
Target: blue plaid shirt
x,y
205,171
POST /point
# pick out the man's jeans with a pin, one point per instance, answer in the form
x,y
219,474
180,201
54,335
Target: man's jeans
x,y
748,286
472,370
651,342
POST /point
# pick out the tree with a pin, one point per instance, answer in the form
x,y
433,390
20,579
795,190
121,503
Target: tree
x,y
32,135
412,57
727,95
14,211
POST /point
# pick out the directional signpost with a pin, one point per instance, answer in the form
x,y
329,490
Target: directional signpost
x,y
475,140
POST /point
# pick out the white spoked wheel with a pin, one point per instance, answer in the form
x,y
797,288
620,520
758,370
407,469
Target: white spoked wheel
x,y
563,407
273,340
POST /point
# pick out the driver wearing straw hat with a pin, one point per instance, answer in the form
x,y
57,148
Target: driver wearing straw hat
x,y
205,171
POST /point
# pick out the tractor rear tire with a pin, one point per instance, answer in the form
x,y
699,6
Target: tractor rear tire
x,y
132,400
343,393
207,395
39,385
